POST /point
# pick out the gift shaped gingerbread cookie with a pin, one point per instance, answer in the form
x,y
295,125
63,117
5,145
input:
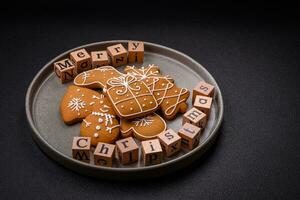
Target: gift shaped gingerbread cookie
x,y
143,128
130,97
101,125
96,78
171,98
77,103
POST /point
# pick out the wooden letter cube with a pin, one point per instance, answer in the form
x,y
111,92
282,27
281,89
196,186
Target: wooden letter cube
x,y
104,154
99,58
195,117
81,59
65,70
118,55
203,103
152,152
81,148
190,136
204,89
135,52
127,150
170,141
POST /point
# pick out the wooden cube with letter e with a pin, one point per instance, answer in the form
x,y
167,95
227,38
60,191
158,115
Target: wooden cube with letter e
x,y
65,70
152,152
170,141
81,60
127,150
81,148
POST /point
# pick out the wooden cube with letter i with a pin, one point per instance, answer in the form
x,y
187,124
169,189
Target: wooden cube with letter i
x,y
152,152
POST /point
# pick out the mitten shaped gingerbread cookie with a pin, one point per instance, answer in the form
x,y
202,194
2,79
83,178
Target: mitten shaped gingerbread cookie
x,y
77,103
143,128
130,97
171,98
96,78
101,125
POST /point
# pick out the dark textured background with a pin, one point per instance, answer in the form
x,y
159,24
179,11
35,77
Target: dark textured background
x,y
253,54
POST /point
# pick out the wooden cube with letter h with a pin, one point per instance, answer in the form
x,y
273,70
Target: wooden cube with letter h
x,y
203,103
65,70
170,141
99,58
152,152
118,55
81,60
195,117
104,154
81,148
190,136
128,150
135,52
203,89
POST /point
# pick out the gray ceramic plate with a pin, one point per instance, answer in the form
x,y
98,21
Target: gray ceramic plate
x,y
55,138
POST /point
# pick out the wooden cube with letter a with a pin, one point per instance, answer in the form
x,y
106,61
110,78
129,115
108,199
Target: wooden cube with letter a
x,y
104,154
118,55
152,152
81,148
135,52
195,117
170,142
81,59
203,103
204,89
65,70
190,136
99,58
128,150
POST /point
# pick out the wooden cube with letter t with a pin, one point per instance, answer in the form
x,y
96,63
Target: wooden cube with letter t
x,y
65,70
190,135
128,150
170,142
135,52
81,60
152,152
118,55
104,154
81,148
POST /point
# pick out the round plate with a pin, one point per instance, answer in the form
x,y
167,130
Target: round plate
x,y
55,138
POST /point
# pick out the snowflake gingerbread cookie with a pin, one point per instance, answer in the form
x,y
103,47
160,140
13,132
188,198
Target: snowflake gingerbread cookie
x,y
143,128
171,98
130,97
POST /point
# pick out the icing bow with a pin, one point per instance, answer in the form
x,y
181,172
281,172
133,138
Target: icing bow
x,y
125,82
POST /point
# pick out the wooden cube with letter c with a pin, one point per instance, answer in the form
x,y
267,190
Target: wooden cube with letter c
x,y
203,103
65,70
104,154
204,89
152,152
170,141
190,136
81,60
118,55
127,150
135,52
81,148
195,117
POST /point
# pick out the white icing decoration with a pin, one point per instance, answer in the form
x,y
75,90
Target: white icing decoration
x,y
143,121
98,127
78,90
105,108
87,124
109,129
108,117
92,103
100,120
96,135
76,104
95,97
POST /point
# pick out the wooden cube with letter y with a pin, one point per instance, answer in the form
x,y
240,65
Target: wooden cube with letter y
x,y
135,52
81,148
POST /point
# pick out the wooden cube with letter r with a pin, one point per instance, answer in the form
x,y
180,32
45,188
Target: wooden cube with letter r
x,y
118,55
152,152
128,150
81,148
65,70
104,154
170,142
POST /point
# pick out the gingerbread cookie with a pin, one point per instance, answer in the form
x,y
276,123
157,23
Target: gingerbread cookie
x,y
143,128
96,78
77,103
130,98
171,98
101,125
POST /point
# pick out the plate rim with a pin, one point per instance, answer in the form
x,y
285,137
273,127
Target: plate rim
x,y
48,147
